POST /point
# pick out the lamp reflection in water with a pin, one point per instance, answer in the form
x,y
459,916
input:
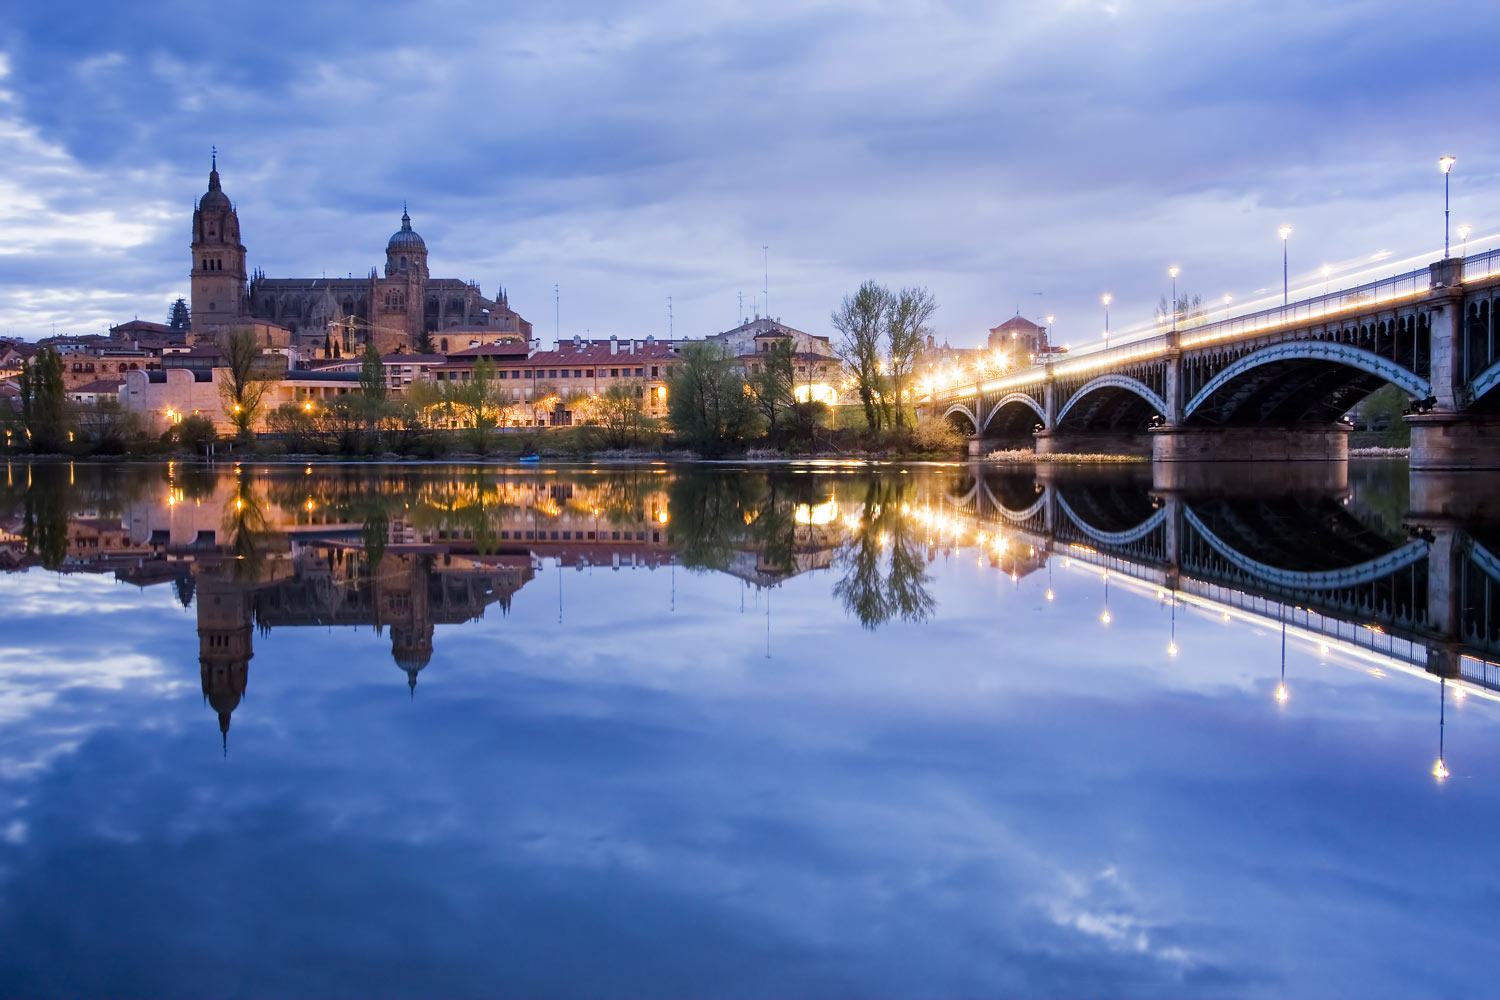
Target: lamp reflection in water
x,y
1105,616
1049,580
1281,692
1440,770
1172,641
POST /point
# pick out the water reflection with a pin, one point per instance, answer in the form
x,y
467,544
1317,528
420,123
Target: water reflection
x,y
977,736
407,549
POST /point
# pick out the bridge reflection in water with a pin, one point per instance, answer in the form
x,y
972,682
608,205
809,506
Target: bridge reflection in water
x,y
1421,595
1412,585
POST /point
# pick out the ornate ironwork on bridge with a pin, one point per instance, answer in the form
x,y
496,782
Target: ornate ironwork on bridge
x,y
1269,385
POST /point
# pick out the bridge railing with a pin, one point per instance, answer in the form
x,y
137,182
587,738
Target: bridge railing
x,y
1193,332
1482,265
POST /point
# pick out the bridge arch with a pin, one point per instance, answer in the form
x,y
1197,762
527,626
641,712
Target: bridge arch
x,y
1311,380
960,410
1304,580
1113,538
1016,421
1112,401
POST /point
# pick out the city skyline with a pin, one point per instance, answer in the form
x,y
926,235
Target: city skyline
x,y
655,153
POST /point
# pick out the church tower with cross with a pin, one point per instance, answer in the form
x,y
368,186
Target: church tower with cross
x,y
218,273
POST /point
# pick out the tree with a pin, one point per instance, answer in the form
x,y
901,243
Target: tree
x,y
294,422
372,374
861,322
196,432
44,401
707,402
620,418
1189,310
250,375
106,425
906,333
477,404
424,343
773,385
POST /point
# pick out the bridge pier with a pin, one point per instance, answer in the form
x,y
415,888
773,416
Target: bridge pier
x,y
1069,442
1250,444
1454,442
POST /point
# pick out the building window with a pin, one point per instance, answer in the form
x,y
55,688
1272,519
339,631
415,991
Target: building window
x,y
653,371
640,372
564,373
403,263
530,373
614,373
552,373
578,373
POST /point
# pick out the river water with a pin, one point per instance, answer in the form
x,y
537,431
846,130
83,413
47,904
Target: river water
x,y
760,731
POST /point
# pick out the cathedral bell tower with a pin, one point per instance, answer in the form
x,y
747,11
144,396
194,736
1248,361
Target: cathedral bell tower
x,y
218,273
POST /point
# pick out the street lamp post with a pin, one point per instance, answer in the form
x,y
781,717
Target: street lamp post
x,y
1284,232
1107,298
1463,234
1445,164
1173,271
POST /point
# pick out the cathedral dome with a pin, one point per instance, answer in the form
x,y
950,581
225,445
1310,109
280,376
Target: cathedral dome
x,y
215,200
406,238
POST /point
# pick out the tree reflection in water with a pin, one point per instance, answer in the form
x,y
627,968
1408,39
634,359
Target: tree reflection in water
x,y
885,570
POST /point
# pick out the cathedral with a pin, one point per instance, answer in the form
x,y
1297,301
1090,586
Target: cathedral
x,y
337,316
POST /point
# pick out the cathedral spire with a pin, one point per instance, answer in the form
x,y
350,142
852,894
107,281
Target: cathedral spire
x,y
405,218
213,170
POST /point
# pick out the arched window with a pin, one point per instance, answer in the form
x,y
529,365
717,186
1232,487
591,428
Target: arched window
x,y
444,343
403,263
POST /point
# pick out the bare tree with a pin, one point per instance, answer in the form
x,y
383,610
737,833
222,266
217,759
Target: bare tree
x,y
860,319
250,376
906,332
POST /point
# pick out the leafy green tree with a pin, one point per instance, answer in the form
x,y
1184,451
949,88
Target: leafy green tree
x,y
106,425
196,432
620,417
424,343
906,319
372,374
773,384
861,322
708,406
44,401
477,404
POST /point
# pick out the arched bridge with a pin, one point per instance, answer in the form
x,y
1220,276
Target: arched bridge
x,y
1269,385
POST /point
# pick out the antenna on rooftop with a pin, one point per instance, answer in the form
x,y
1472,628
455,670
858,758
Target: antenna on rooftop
x,y
556,313
766,263
669,317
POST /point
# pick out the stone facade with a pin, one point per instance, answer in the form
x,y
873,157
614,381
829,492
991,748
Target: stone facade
x,y
333,317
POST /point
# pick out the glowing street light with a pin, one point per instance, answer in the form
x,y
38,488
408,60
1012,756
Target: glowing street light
x,y
1463,234
1445,164
1284,232
1174,270
1107,298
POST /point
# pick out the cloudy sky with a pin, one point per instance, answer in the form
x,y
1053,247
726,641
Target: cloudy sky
x,y
1008,155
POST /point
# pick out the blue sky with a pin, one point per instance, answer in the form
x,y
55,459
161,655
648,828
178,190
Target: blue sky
x,y
629,153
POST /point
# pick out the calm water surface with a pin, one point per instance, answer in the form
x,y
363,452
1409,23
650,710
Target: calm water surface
x,y
761,732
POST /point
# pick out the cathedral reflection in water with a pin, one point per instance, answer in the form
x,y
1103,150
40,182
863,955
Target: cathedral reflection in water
x,y
1408,576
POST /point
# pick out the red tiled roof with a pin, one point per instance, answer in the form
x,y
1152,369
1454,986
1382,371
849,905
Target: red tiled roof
x,y
508,349
142,326
598,353
100,385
